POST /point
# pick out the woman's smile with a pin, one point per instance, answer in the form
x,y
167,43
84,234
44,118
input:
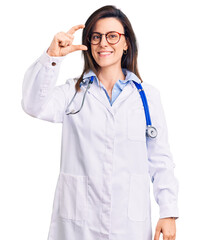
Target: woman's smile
x,y
105,53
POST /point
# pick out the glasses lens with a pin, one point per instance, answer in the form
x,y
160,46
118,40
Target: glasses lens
x,y
95,38
113,37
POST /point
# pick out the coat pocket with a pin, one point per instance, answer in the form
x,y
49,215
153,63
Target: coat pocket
x,y
136,124
139,200
73,196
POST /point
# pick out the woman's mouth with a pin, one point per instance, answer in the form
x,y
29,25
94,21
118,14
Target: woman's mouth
x,y
105,53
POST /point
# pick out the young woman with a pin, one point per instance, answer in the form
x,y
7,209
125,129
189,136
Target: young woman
x,y
108,159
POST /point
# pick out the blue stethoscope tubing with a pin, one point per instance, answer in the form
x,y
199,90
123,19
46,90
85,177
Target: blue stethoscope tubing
x,y
150,130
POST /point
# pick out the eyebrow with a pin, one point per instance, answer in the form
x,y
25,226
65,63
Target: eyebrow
x,y
106,32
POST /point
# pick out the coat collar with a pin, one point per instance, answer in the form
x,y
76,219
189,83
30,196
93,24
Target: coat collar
x,y
97,91
130,76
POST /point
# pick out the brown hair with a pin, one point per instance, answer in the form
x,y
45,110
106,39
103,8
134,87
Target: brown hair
x,y
129,60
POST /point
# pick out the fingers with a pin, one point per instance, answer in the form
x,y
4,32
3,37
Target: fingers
x,y
157,235
169,237
167,227
65,40
78,47
62,42
75,28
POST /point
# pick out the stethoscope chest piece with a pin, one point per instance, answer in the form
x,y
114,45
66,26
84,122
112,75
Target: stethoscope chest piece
x,y
151,132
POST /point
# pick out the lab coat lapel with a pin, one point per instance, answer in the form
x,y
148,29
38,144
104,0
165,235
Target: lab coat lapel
x,y
128,91
99,94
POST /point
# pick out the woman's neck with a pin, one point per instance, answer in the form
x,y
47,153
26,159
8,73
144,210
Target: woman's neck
x,y
109,76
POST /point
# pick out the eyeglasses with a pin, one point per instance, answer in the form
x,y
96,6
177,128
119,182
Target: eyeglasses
x,y
111,37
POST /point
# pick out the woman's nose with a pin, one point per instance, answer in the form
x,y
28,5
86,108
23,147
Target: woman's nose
x,y
103,41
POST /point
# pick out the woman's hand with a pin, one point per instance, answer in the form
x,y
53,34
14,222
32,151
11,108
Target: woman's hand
x,y
62,43
168,228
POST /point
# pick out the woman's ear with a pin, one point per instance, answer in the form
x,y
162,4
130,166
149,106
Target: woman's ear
x,y
126,45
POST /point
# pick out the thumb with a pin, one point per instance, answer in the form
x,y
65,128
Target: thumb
x,y
78,47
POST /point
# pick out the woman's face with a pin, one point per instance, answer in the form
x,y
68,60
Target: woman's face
x,y
105,54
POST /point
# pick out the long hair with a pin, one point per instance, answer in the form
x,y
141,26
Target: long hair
x,y
128,61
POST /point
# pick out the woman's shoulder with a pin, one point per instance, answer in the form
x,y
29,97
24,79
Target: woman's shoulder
x,y
150,88
72,81
151,91
69,86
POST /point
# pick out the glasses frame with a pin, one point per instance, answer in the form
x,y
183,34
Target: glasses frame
x,y
101,34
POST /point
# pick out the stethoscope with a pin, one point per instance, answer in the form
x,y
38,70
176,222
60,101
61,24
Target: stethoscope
x,y
150,130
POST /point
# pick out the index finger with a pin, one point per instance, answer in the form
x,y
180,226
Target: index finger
x,y
75,28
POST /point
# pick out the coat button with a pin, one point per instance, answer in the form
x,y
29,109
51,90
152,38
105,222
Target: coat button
x,y
53,63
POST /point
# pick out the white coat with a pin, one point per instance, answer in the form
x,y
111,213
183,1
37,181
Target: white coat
x,y
107,163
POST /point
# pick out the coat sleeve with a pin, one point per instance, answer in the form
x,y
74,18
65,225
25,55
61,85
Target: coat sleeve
x,y
40,97
160,160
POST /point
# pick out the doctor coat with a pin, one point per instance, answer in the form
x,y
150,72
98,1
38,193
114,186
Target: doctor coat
x,y
107,163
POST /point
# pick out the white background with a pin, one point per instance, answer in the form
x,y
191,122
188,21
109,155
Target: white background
x,y
168,37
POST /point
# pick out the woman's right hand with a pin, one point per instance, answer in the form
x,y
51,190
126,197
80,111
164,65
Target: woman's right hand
x,y
62,43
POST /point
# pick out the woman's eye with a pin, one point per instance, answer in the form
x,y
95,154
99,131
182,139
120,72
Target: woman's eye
x,y
112,36
95,37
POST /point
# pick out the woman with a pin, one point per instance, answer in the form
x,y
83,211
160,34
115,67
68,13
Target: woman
x,y
106,161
